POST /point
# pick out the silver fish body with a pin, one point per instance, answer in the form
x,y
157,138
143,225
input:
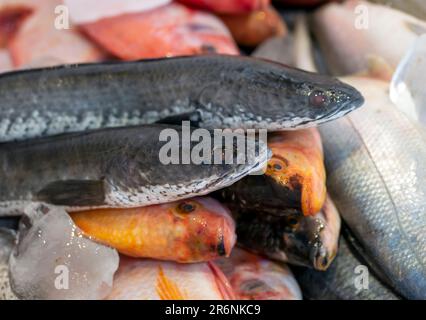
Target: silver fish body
x,y
376,166
212,91
115,167
338,282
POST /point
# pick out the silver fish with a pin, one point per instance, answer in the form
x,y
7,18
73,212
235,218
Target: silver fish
x,y
376,174
338,282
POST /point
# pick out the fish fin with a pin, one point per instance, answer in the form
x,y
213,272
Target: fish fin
x,y
194,117
416,28
73,193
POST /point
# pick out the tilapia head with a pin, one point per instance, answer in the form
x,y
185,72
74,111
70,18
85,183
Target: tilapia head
x,y
307,241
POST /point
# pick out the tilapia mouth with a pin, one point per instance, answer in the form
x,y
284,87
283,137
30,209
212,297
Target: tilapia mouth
x,y
320,256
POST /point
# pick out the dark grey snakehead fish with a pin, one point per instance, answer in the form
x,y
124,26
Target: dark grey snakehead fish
x,y
212,91
339,281
376,168
114,167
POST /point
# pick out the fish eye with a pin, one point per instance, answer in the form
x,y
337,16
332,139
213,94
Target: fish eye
x,y
276,165
318,98
186,207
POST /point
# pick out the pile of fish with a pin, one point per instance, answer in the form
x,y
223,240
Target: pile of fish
x,y
330,205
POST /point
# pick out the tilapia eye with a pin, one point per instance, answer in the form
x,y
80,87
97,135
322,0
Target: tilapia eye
x,y
318,99
186,207
275,165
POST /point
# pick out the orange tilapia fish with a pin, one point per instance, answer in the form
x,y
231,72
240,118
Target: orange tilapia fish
x,y
294,180
251,29
255,278
167,31
144,279
228,6
38,42
194,230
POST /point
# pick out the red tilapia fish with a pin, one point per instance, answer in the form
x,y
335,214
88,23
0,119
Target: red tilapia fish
x,y
194,230
294,180
255,278
228,6
144,279
298,162
37,42
167,31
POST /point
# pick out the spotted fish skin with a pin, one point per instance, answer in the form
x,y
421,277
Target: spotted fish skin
x,y
376,169
116,167
214,91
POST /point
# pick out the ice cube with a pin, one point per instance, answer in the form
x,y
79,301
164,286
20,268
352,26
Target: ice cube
x,y
53,260
7,242
407,86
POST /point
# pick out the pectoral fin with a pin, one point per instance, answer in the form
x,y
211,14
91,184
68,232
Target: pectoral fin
x,y
73,193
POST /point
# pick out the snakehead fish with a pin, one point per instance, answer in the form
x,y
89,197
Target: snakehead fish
x,y
115,167
213,91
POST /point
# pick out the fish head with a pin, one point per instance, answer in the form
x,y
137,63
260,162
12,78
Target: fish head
x,y
209,226
321,98
302,99
304,242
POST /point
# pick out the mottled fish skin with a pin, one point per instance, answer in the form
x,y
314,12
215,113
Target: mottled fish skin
x,y
375,161
300,240
214,91
338,281
115,167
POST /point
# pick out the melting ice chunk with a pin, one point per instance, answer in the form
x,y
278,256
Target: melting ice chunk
x,y
7,242
407,89
53,260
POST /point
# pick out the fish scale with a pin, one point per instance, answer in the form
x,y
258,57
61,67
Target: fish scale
x,y
376,174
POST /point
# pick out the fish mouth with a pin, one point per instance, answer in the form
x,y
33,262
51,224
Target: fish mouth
x,y
321,258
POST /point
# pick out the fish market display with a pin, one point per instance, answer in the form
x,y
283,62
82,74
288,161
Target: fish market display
x,y
234,93
183,32
228,6
339,282
251,29
7,242
53,260
255,278
308,241
406,89
376,167
116,167
205,149
355,33
143,279
294,180
192,230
